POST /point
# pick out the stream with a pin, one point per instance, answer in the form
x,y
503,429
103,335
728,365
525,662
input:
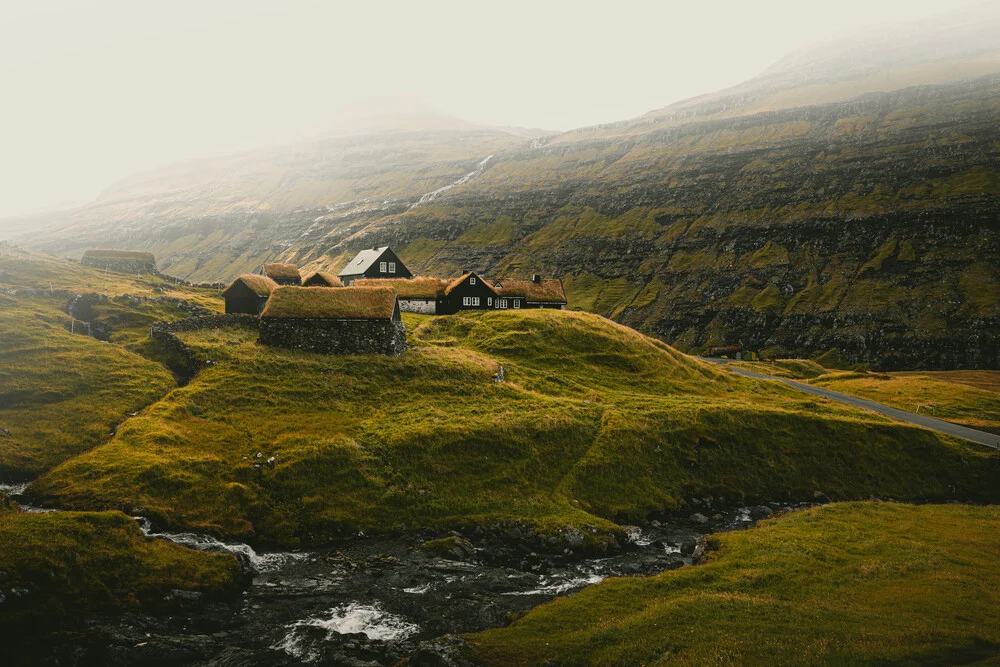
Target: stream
x,y
367,601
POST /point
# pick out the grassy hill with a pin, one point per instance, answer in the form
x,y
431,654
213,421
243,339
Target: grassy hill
x,y
968,398
62,393
844,584
595,423
58,565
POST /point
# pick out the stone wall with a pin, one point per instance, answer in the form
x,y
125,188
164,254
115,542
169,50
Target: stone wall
x,y
180,358
425,306
214,321
335,336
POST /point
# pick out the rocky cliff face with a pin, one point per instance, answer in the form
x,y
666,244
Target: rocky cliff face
x,y
869,228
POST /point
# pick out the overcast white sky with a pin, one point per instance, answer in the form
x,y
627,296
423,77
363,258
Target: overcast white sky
x,y
93,91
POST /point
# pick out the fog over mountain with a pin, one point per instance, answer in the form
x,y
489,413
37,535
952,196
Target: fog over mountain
x,y
101,92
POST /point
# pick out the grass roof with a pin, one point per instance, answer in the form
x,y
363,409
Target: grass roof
x,y
422,287
352,303
458,281
317,277
549,289
279,271
262,285
137,255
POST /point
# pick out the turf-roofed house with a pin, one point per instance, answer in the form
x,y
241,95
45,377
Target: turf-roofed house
x,y
535,293
322,279
422,294
332,320
124,261
374,263
283,274
248,294
471,291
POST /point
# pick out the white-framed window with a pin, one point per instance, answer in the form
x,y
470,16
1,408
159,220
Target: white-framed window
x,y
472,280
392,267
503,303
381,267
466,300
517,303
475,301
489,301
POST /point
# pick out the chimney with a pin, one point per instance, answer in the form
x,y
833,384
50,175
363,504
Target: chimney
x,y
536,278
464,271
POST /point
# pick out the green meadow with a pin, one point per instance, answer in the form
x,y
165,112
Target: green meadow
x,y
845,584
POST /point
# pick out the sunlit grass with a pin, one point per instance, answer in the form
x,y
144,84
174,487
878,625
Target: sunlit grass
x,y
855,583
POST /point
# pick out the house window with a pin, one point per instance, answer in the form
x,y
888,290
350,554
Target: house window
x,y
475,301
503,303
489,301
392,267
517,303
466,300
381,267
472,280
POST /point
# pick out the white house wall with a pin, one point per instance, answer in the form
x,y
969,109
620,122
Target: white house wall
x,y
425,306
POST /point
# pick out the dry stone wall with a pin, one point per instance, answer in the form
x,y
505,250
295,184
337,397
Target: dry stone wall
x,y
335,336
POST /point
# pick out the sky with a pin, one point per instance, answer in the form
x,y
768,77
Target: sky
x,y
92,92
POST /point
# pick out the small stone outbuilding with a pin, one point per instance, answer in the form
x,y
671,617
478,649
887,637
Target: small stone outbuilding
x,y
248,294
283,274
124,261
322,279
334,320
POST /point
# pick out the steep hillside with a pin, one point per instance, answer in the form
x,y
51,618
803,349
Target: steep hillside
x,y
847,199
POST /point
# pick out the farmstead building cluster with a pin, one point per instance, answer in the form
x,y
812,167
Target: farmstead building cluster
x,y
358,310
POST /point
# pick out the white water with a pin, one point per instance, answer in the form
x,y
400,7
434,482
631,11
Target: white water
x,y
431,196
369,619
16,490
12,489
563,586
266,562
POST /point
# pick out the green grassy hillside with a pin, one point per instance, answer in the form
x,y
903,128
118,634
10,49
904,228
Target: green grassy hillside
x,y
59,565
62,393
595,423
947,396
854,583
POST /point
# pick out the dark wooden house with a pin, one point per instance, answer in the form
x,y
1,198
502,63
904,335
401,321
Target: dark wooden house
x,y
283,274
248,294
422,294
374,263
468,292
334,320
322,279
535,293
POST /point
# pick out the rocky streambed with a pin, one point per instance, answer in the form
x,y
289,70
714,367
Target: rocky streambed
x,y
371,600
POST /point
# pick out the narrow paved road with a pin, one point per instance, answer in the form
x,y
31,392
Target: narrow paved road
x,y
971,434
